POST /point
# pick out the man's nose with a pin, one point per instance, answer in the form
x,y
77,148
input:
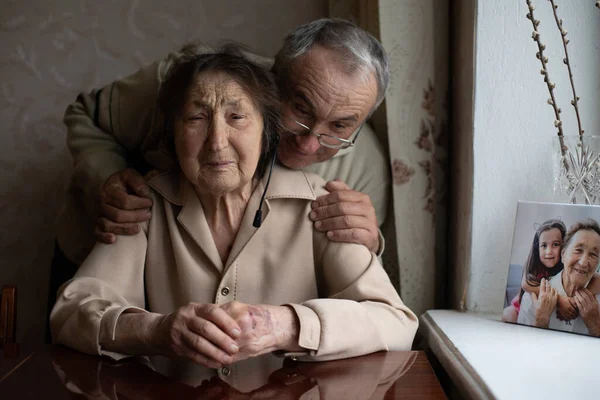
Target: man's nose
x,y
218,135
308,144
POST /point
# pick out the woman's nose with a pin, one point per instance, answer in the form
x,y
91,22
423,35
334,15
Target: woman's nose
x,y
218,136
584,260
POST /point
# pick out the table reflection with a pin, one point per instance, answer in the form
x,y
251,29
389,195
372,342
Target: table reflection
x,y
263,377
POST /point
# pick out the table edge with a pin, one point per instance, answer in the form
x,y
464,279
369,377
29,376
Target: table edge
x,y
463,375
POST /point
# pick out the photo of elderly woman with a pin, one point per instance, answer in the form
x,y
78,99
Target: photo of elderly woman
x,y
210,280
560,286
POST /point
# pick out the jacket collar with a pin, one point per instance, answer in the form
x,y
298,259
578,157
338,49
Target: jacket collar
x,y
174,188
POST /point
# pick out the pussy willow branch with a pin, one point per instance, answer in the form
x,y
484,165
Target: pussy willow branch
x,y
565,41
544,71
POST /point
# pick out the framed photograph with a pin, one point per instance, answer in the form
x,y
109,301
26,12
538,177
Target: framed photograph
x,y
553,278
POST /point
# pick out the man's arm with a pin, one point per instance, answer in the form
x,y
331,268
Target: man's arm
x,y
105,127
107,123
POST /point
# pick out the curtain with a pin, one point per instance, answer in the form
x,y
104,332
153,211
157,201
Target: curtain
x,y
412,124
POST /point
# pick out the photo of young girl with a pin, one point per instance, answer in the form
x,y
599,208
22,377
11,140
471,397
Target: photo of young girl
x,y
544,261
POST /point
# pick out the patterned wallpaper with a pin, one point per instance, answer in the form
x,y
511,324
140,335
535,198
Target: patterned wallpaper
x,y
52,50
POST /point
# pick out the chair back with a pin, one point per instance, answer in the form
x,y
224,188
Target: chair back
x,y
8,322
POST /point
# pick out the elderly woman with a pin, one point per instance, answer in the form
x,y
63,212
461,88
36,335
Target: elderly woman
x,y
201,281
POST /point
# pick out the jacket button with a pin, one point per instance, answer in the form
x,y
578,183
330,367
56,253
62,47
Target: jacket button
x,y
225,291
225,371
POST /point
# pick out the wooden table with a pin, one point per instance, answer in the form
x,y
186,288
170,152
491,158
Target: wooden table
x,y
59,373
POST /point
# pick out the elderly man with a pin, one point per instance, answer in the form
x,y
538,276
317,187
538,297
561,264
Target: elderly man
x,y
580,253
331,74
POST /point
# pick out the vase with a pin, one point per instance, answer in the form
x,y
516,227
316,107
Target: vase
x,y
576,162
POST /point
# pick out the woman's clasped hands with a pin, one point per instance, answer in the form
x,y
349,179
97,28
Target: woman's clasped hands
x,y
215,335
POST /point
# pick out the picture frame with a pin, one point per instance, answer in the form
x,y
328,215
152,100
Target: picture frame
x,y
554,269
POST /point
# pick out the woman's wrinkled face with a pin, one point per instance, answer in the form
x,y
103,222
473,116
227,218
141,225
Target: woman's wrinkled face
x,y
550,246
581,258
218,134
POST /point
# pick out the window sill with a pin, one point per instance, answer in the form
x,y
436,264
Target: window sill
x,y
486,358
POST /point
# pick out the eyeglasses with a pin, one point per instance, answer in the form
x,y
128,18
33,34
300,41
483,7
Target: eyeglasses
x,y
325,140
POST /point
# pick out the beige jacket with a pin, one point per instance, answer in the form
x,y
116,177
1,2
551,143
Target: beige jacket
x,y
120,124
343,298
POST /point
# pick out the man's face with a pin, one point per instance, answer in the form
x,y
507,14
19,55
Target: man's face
x,y
581,258
327,100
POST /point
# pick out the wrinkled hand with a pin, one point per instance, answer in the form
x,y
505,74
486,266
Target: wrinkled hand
x,y
544,304
566,308
589,309
265,328
346,215
124,202
203,333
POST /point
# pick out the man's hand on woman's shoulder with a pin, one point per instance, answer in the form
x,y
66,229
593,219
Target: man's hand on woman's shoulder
x,y
124,202
346,215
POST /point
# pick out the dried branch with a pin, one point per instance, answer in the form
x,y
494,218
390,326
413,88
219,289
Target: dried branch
x,y
544,71
565,41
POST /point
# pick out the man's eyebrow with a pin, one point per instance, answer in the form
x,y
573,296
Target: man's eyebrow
x,y
350,118
305,99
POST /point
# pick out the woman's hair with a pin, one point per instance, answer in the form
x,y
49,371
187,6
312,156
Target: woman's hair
x,y
257,81
588,225
357,50
533,266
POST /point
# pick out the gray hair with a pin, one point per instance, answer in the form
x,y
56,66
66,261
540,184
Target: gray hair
x,y
358,51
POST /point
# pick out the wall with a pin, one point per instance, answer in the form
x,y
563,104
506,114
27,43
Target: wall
x,y
513,125
52,50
